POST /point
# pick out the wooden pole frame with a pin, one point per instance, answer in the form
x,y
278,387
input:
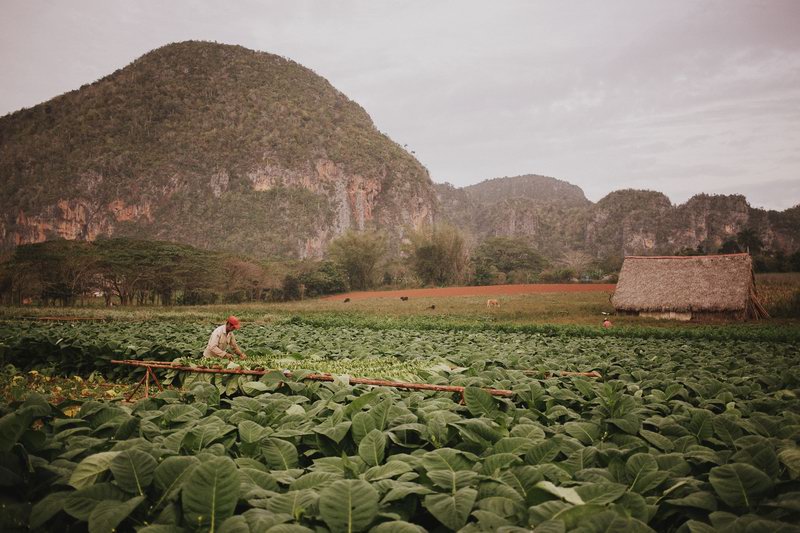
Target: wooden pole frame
x,y
164,365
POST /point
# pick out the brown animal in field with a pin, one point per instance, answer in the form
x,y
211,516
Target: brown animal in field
x,y
432,306
346,300
404,298
492,303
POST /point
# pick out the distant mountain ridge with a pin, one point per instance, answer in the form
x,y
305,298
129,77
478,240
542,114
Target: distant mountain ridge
x,y
555,216
230,149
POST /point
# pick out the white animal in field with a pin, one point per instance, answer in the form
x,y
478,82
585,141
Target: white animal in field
x,y
492,303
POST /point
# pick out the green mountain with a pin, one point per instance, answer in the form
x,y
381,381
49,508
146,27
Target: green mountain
x,y
212,145
234,150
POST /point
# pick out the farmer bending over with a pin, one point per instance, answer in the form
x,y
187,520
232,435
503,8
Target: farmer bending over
x,y
221,338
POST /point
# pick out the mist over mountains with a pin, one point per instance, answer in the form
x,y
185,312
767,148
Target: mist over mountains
x,y
230,149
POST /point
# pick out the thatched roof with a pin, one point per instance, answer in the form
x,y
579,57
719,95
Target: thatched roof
x,y
708,283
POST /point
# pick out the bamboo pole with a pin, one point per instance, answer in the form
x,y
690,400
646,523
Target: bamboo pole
x,y
165,365
313,376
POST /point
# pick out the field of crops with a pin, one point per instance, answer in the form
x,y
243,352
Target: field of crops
x,y
681,432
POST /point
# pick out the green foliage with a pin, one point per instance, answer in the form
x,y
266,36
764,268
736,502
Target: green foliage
x,y
438,255
181,135
558,275
678,433
749,241
359,255
506,256
138,272
323,278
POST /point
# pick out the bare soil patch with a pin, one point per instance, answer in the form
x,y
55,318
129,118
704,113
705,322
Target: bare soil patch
x,y
490,290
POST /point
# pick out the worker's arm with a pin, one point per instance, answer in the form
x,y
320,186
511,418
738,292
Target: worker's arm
x,y
236,349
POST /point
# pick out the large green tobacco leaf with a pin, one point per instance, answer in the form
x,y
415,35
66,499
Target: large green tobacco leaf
x,y
293,503
257,478
791,458
81,503
699,500
452,510
567,494
47,508
335,432
348,505
133,470
88,470
659,441
446,459
280,454
235,524
372,447
108,514
210,493
586,432
363,423
600,493
739,484
397,526
701,425
171,474
542,452
251,432
12,426
479,402
522,479
452,481
389,470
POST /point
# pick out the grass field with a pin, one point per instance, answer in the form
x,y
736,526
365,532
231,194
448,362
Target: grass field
x,y
568,308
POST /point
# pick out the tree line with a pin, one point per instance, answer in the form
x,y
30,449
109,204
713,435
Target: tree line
x,y
747,240
125,271
139,272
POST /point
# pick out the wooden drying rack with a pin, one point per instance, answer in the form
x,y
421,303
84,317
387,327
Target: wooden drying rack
x,y
164,365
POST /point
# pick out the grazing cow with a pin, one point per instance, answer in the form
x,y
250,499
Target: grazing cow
x,y
492,303
404,298
346,300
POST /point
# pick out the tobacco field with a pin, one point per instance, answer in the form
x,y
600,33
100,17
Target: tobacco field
x,y
679,434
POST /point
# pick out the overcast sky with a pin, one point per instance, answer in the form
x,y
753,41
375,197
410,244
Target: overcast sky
x,y
680,96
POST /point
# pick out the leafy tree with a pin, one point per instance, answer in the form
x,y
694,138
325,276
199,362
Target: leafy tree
x,y
324,277
794,262
244,279
498,259
359,254
730,247
560,275
438,255
748,239
55,271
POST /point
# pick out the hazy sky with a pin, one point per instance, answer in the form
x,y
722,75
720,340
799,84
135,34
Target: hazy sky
x,y
681,96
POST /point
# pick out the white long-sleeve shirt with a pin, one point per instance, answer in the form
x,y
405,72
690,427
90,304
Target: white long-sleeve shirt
x,y
219,342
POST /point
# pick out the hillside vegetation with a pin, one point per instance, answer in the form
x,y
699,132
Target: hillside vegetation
x,y
234,150
193,136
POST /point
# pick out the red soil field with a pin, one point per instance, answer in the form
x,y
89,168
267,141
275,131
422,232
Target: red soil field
x,y
491,290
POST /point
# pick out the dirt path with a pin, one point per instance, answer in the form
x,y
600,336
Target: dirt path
x,y
491,290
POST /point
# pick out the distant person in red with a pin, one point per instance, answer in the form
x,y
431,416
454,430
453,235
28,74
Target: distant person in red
x,y
607,323
221,338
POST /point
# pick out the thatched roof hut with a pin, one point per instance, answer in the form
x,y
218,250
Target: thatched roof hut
x,y
686,287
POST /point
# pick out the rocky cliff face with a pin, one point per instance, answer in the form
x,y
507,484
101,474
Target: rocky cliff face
x,y
555,216
212,145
